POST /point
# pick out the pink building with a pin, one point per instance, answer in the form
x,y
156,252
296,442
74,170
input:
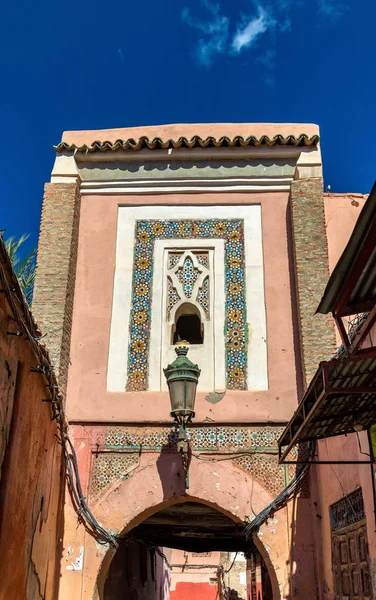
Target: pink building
x,y
219,235
337,415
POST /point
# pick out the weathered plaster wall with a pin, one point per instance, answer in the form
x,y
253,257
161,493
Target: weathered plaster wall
x,y
194,576
341,214
236,577
153,485
31,474
329,483
87,396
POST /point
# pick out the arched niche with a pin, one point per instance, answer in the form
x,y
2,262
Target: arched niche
x,y
188,325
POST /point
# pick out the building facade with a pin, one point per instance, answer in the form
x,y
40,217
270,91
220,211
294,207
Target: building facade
x,y
218,235
31,466
337,414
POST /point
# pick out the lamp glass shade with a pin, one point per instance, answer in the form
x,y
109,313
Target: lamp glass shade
x,y
182,378
182,397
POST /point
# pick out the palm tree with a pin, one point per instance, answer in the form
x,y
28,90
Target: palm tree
x,y
23,267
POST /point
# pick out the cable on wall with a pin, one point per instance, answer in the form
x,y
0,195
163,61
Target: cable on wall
x,y
27,328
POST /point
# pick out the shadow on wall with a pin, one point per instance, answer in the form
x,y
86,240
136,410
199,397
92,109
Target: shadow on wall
x,y
170,468
301,564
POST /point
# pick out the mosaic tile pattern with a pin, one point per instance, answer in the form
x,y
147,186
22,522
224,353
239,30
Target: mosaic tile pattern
x,y
188,275
172,297
202,258
114,464
109,467
203,296
173,259
231,231
265,469
202,438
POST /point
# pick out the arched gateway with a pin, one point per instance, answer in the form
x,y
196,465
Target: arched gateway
x,y
204,518
171,232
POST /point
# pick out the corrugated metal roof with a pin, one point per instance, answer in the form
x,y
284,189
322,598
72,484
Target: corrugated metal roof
x,y
355,272
342,393
158,143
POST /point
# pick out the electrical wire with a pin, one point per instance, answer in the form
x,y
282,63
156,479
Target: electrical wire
x,y
28,329
281,500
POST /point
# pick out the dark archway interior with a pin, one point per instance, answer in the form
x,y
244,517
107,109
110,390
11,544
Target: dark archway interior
x,y
193,527
138,569
188,329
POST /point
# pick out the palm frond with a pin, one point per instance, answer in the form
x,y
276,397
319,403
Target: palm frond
x,y
23,267
13,244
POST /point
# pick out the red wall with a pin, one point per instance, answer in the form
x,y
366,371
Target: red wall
x,y
30,472
194,591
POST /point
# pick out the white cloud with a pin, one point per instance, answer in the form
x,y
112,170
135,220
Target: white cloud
x,y
249,31
215,32
216,38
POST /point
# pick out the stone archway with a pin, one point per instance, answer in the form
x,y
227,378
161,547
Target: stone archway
x,y
155,487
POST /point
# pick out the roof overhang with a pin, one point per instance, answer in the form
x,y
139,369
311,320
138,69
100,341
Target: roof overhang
x,y
195,141
341,395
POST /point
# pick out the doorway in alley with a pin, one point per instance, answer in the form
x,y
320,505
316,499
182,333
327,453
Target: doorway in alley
x,y
188,551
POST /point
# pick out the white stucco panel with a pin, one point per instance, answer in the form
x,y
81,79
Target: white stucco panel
x,y
255,297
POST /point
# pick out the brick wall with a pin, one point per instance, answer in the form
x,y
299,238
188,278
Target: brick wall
x,y
311,272
56,270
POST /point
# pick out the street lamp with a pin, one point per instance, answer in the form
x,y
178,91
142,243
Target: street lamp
x,y
182,378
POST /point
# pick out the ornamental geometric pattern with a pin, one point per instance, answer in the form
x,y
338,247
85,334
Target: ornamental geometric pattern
x,y
201,438
231,231
119,449
109,467
266,470
203,296
202,258
188,275
347,511
173,259
172,297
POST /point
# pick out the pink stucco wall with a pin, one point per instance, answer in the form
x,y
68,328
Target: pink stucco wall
x,y
341,214
88,399
329,483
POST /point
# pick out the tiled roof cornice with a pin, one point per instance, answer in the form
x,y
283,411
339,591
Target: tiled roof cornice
x,y
194,142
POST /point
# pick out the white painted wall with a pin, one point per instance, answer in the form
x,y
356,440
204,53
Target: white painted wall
x,y
255,298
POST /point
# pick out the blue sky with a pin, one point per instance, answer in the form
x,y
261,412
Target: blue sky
x,y
93,65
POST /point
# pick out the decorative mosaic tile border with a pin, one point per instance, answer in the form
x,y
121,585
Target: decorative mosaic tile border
x,y
109,467
266,470
202,438
122,446
232,232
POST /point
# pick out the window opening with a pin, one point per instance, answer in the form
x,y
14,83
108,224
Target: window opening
x,y
188,329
